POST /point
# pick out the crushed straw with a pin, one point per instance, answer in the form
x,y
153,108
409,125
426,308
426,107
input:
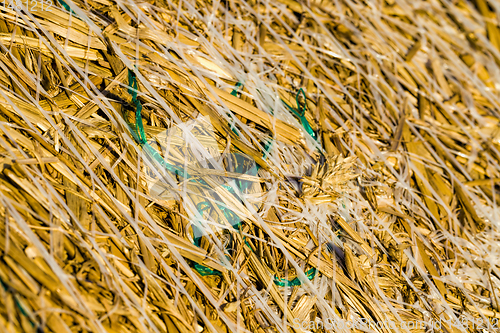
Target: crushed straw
x,y
224,166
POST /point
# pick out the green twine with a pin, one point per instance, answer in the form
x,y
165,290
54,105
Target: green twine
x,y
300,112
68,8
235,93
132,90
295,282
20,307
65,5
140,136
235,90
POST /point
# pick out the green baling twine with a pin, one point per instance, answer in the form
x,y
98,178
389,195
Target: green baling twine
x,y
140,136
65,5
235,90
132,90
21,308
295,282
301,112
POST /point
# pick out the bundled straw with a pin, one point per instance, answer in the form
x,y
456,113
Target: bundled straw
x,y
249,166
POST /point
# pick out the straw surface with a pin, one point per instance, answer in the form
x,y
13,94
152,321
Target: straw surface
x,y
250,166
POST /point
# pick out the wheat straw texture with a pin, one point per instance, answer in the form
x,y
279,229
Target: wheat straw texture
x,y
394,206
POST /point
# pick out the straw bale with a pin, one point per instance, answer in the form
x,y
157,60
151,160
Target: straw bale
x,y
249,166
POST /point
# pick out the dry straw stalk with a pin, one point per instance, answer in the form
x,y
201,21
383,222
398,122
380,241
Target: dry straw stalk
x,y
374,127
